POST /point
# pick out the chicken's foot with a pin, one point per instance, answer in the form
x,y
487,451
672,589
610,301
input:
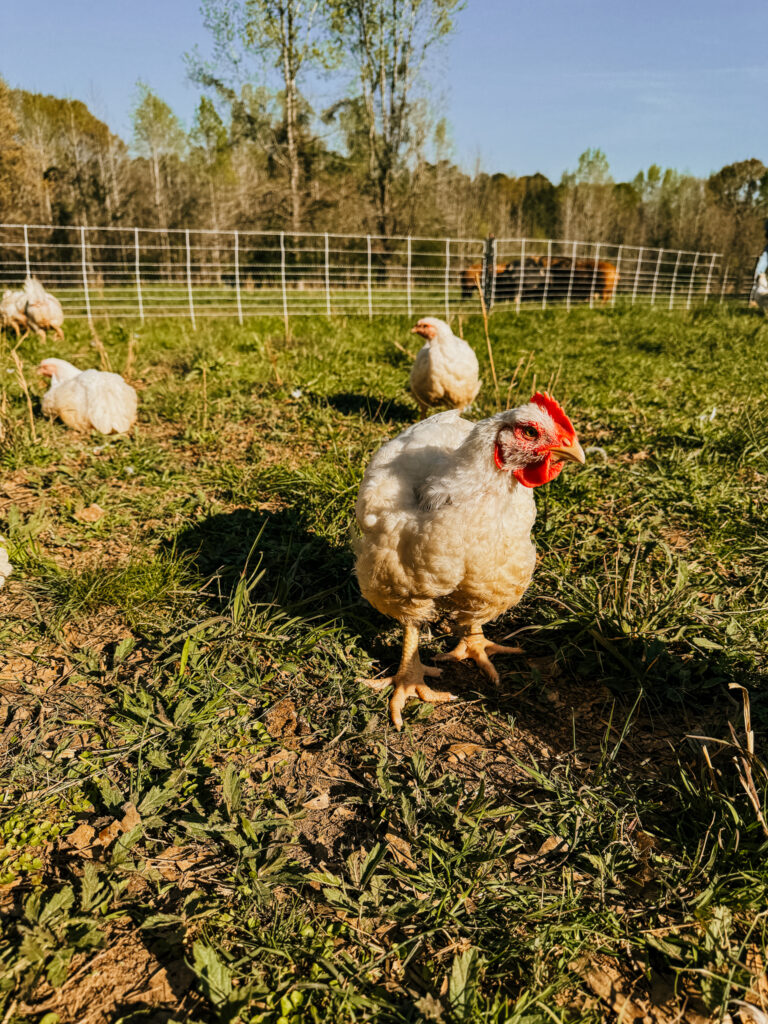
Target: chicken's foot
x,y
478,647
409,679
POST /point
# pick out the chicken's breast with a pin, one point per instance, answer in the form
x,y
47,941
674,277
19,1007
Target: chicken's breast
x,y
424,548
445,373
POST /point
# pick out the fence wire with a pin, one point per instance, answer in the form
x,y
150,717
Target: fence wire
x,y
99,272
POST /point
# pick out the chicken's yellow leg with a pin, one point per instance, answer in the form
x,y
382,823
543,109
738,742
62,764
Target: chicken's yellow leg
x,y
474,645
409,679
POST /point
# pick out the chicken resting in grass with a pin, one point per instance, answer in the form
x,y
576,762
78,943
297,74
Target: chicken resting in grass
x,y
445,512
88,399
445,371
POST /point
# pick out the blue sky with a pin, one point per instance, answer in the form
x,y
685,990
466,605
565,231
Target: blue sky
x,y
526,85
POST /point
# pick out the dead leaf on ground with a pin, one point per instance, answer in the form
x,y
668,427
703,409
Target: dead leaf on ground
x,y
131,817
401,849
552,844
280,755
318,803
81,838
758,990
90,514
461,751
109,833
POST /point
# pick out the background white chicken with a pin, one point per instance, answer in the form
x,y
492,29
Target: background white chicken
x,y
5,564
445,512
42,310
445,371
760,293
12,313
88,399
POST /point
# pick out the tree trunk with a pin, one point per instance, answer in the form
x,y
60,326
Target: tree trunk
x,y
288,33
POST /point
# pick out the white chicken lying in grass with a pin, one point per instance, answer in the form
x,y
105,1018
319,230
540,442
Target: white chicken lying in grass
x,y
445,371
42,310
445,512
88,399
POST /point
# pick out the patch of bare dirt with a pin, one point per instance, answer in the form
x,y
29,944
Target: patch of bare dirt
x,y
126,976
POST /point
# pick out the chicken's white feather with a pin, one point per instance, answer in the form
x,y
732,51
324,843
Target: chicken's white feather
x,y
445,371
89,399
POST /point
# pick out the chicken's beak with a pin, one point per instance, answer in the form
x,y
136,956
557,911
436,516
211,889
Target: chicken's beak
x,y
568,452
417,330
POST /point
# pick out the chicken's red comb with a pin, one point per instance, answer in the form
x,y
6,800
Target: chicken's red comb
x,y
555,410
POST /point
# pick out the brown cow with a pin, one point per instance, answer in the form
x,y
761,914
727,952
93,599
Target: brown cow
x,y
560,273
472,276
582,277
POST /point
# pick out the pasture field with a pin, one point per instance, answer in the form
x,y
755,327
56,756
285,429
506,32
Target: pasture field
x,y
207,818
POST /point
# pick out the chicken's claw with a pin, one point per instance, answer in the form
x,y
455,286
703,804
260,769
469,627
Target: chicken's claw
x,y
406,687
405,690
478,648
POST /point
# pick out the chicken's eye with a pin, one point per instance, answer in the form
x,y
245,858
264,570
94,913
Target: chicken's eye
x,y
530,432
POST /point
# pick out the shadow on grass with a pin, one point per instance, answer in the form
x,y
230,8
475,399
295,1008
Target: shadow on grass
x,y
298,570
383,409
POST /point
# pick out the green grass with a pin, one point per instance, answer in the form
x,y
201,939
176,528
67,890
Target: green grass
x,y
194,652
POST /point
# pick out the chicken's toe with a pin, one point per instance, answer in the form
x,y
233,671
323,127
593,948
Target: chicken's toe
x,y
377,684
405,690
478,648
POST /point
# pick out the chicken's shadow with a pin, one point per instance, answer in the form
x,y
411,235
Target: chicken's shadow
x,y
385,410
289,565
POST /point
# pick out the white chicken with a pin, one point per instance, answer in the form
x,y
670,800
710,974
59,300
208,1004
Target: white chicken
x,y
12,312
445,512
5,564
760,293
88,399
42,310
445,371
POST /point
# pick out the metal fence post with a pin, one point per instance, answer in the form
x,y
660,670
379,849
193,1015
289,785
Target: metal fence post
x,y
408,278
84,258
447,276
570,277
594,277
327,278
26,251
725,280
546,276
690,283
656,277
519,296
282,280
672,285
709,275
370,286
489,272
637,273
618,276
237,279
189,282
138,273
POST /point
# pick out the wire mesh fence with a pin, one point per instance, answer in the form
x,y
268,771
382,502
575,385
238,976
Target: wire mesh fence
x,y
99,272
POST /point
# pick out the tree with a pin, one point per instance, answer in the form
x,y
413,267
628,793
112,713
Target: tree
x,y
283,33
587,198
157,135
387,43
12,160
212,150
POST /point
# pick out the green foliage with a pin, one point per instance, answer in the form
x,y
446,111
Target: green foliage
x,y
156,129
